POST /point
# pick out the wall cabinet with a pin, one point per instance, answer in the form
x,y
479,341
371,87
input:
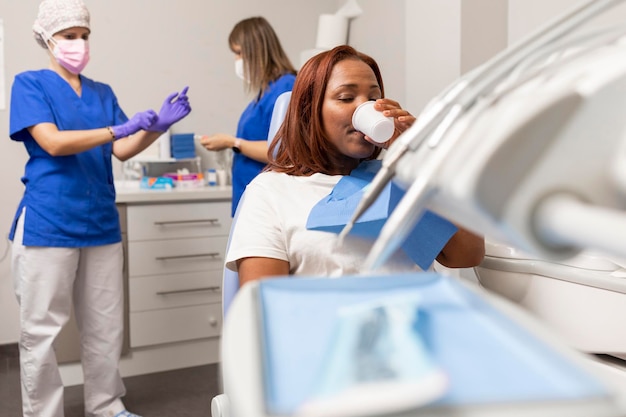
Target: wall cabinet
x,y
176,254
174,249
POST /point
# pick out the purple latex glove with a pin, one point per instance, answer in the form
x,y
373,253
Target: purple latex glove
x,y
142,120
173,109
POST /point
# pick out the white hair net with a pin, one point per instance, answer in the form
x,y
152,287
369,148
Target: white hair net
x,y
57,15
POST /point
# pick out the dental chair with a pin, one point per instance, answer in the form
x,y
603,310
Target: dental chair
x,y
230,283
582,299
220,406
495,359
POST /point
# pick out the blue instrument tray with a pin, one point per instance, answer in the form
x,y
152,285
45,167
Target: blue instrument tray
x,y
488,357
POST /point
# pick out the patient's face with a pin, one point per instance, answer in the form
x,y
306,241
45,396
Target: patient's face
x,y
351,83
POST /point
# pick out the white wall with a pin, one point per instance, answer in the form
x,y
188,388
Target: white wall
x,y
484,25
528,15
446,38
432,49
380,32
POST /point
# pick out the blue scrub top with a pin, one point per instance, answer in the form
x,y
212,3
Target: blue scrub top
x,y
69,200
254,124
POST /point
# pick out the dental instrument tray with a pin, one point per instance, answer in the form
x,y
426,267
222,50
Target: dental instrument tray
x,y
344,347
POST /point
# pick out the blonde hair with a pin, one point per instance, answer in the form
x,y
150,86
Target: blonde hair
x,y
263,56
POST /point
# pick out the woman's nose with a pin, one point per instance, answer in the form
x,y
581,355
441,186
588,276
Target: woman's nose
x,y
357,103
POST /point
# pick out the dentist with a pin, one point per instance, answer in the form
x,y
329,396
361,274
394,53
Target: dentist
x,y
66,234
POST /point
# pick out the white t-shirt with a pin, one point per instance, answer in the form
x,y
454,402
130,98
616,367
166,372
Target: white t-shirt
x,y
271,223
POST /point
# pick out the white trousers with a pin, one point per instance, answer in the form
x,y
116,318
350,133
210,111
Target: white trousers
x,y
46,280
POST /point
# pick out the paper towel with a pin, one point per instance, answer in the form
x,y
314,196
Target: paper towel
x,y
309,53
165,150
332,30
350,10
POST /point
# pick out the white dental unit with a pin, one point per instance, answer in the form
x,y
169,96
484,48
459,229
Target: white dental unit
x,y
536,164
530,151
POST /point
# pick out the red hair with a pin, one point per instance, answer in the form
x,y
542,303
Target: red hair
x,y
302,147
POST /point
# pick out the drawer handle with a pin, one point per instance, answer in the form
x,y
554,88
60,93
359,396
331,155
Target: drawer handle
x,y
191,290
175,222
199,255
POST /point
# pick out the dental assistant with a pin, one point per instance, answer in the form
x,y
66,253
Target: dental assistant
x,y
66,233
263,65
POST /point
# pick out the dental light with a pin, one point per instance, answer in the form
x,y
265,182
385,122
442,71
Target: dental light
x,y
514,144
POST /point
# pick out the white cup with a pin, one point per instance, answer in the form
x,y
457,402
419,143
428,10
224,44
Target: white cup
x,y
372,122
222,177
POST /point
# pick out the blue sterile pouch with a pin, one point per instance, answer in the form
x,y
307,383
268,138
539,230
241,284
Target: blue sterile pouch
x,y
310,326
376,362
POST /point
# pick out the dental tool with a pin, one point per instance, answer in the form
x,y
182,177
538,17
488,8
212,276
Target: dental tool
x,y
478,84
503,168
423,187
462,95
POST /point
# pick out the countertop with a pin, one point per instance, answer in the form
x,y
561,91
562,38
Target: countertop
x,y
129,192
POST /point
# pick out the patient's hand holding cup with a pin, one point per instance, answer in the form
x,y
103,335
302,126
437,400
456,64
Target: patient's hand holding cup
x,y
372,122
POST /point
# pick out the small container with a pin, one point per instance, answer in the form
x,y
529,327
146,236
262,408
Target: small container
x,y
211,177
372,122
222,177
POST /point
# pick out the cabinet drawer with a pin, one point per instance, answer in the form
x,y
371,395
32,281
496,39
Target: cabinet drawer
x,y
168,291
170,221
161,257
175,324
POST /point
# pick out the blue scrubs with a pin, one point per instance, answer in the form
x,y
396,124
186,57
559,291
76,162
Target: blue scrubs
x,y
254,124
69,200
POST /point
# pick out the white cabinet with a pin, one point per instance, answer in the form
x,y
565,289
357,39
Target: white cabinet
x,y
176,256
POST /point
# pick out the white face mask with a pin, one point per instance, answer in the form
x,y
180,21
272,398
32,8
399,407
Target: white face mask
x,y
239,68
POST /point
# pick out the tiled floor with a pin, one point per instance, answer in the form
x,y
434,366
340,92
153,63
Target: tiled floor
x,y
181,393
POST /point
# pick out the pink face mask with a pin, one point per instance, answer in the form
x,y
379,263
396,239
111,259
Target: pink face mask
x,y
73,54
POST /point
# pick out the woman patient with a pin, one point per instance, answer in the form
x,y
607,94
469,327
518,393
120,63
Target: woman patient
x,y
318,146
